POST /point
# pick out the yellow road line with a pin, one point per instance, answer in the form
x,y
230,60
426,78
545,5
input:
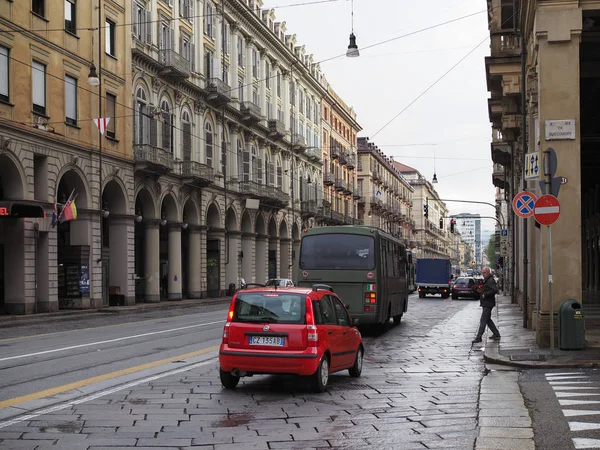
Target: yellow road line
x,y
99,378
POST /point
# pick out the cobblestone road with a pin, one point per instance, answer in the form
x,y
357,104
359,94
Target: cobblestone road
x,y
419,390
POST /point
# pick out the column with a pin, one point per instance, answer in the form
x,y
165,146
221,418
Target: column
x,y
233,258
274,69
152,266
286,100
261,258
194,278
233,58
203,282
249,78
120,230
248,258
558,31
174,282
262,84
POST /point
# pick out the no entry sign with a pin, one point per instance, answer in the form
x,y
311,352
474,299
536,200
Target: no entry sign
x,y
547,209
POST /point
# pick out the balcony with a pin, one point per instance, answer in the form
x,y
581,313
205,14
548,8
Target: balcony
x,y
351,162
276,129
324,210
152,159
298,142
349,189
175,65
251,189
358,222
250,113
308,208
274,197
196,174
375,202
219,92
328,179
314,154
505,43
511,120
376,174
348,219
501,153
337,217
335,153
340,185
343,159
499,177
358,196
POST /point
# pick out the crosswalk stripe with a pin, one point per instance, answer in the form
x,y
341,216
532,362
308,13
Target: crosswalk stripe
x,y
577,412
550,374
578,402
586,443
559,383
574,394
569,377
573,388
582,426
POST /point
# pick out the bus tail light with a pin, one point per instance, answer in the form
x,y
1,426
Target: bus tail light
x,y
312,335
370,298
369,309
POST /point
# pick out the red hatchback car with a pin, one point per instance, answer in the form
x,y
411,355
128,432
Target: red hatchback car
x,y
466,287
295,330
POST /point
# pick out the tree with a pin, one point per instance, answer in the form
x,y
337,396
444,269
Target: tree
x,y
491,251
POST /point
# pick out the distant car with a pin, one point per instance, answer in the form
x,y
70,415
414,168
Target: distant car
x,y
300,331
465,287
280,282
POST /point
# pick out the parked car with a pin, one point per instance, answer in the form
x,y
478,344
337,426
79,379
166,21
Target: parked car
x,y
280,282
465,287
298,330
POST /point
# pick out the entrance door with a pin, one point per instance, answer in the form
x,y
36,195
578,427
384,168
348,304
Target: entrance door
x,y
213,263
105,273
272,264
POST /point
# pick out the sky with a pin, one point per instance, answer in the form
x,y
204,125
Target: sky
x,y
449,122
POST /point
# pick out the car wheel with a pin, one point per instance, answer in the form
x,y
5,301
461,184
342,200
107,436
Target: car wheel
x,y
356,369
454,297
397,319
321,376
228,380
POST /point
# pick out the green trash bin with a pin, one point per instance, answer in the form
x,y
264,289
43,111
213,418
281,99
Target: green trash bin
x,y
571,328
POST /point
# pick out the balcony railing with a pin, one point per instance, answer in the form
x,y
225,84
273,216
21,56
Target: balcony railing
x,y
219,92
343,159
197,173
299,142
309,208
337,216
314,154
505,43
351,162
175,65
250,112
335,153
340,185
276,129
152,159
375,201
251,189
328,179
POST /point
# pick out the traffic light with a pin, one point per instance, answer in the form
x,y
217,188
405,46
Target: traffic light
x,y
441,224
426,211
500,262
452,222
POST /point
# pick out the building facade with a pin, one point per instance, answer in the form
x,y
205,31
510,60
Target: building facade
x,y
210,166
469,226
386,197
340,129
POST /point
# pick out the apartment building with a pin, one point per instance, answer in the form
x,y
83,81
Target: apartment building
x,y
386,197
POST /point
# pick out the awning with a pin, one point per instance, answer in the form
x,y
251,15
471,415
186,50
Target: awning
x,y
21,209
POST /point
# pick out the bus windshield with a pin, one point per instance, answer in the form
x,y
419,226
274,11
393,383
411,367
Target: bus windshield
x,y
337,251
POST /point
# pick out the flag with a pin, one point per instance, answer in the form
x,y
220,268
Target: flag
x,y
69,200
378,193
54,214
102,123
69,212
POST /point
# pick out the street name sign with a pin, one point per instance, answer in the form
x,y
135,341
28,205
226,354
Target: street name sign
x,y
560,130
532,165
524,204
547,209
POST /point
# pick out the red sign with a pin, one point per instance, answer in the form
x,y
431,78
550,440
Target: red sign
x,y
523,204
4,212
547,209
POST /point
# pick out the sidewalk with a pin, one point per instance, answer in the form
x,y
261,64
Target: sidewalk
x,y
519,348
15,321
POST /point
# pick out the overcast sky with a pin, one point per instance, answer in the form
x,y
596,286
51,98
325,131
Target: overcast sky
x,y
388,77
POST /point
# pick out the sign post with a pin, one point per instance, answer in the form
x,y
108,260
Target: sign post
x,y
547,211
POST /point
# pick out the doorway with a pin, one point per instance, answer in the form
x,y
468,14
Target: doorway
x,y
213,263
272,264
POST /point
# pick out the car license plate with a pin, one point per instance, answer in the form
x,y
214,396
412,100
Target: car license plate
x,y
267,340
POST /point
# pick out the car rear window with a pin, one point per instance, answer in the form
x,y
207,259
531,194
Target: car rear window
x,y
462,281
270,307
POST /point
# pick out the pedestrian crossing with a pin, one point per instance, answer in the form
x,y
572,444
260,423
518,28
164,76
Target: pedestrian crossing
x,y
575,395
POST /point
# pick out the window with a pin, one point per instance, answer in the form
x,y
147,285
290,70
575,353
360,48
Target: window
x,y
337,251
141,119
111,111
186,136
70,100
279,174
341,313
241,89
38,7
255,166
39,87
279,84
208,22
110,38
209,65
241,55
141,26
240,158
255,63
246,166
4,74
166,126
208,141
70,16
255,97
267,75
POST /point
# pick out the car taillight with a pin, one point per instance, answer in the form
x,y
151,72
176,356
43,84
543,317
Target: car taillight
x,y
370,298
313,336
230,312
226,332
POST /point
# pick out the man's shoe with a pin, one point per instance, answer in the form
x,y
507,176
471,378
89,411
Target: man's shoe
x,y
476,340
495,337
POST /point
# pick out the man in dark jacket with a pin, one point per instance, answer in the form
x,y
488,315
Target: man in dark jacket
x,y
487,302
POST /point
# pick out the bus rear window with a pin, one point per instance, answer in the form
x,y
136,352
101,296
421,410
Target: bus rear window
x,y
337,251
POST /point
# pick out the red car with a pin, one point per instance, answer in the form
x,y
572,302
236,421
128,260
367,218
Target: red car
x,y
465,287
297,330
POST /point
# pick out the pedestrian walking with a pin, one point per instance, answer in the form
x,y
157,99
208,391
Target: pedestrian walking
x,y
487,301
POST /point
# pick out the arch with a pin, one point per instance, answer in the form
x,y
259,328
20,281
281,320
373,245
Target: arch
x,y
12,179
114,197
191,212
71,177
145,203
272,227
246,222
168,208
283,229
260,224
231,222
295,232
213,216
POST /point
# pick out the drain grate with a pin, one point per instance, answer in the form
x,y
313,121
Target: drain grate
x,y
528,357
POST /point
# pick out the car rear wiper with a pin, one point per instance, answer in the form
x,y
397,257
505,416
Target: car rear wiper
x,y
262,319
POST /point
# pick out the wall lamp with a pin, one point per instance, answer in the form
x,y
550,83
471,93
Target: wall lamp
x,y
139,217
105,211
163,220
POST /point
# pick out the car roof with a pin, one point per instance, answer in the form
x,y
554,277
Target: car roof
x,y
286,289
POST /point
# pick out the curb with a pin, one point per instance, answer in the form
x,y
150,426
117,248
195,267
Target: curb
x,y
15,321
495,358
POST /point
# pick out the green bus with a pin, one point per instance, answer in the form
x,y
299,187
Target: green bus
x,y
364,265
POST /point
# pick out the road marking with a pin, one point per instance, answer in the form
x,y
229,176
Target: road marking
x,y
583,426
103,393
98,328
108,341
576,412
586,443
99,378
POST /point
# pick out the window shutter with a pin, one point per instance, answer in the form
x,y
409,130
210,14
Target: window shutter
x,y
172,33
187,142
153,132
148,27
161,30
180,8
136,123
145,123
271,174
181,52
191,14
246,166
259,171
279,177
134,25
240,164
193,56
